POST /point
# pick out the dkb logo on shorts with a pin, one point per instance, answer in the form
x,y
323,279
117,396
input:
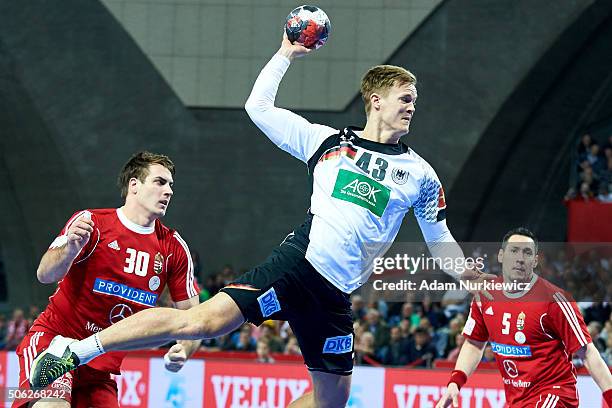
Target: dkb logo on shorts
x,y
338,344
268,303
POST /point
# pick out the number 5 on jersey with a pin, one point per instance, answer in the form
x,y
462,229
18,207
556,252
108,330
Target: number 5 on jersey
x,y
137,262
505,323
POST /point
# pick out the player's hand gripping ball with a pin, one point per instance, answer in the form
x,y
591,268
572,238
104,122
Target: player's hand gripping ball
x,y
308,25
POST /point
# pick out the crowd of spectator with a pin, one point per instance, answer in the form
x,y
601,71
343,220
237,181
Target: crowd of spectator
x,y
412,334
594,168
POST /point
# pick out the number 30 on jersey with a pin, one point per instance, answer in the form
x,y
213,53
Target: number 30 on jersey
x,y
137,262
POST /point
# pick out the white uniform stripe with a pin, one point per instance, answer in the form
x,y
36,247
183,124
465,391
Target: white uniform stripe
x,y
553,403
568,311
26,365
547,401
30,352
576,329
189,278
570,315
571,309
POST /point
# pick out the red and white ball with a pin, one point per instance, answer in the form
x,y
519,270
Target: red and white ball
x,y
308,25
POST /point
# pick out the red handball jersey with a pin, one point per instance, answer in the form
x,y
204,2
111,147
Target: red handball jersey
x,y
122,270
533,336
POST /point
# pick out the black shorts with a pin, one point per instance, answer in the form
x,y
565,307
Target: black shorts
x,y
287,287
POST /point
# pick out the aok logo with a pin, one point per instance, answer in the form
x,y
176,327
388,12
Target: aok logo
x,y
362,191
362,188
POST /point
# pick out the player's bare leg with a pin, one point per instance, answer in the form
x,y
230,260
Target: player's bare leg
x,y
50,404
148,328
329,391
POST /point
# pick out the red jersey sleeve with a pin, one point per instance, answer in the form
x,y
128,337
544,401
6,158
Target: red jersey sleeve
x,y
565,320
181,281
475,327
62,237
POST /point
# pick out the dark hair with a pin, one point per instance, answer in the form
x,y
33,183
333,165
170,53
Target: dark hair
x,y
520,231
138,167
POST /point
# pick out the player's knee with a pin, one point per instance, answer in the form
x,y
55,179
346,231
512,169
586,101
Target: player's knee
x,y
338,399
330,395
198,324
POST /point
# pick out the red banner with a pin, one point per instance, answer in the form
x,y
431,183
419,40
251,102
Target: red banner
x,y
133,383
420,388
233,384
589,221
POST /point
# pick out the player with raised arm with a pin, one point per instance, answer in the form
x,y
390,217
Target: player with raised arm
x,y
364,182
110,264
533,334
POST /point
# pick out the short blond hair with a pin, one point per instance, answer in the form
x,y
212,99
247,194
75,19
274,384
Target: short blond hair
x,y
381,78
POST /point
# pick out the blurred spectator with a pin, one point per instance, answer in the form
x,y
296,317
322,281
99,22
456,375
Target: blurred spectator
x,y
226,276
421,352
584,147
365,351
405,329
448,335
433,312
395,353
378,328
488,356
197,264
454,353
605,196
263,351
293,347
357,307
406,312
594,329
16,329
599,311
607,355
595,158
33,313
268,333
585,192
244,340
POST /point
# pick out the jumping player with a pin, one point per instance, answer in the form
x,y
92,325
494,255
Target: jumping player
x,y
110,264
533,334
364,182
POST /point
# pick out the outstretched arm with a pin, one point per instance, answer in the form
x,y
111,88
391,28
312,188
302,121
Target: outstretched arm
x,y
177,355
469,357
289,131
598,370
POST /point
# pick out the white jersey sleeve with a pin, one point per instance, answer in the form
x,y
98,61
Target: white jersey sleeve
x,y
430,212
287,130
442,244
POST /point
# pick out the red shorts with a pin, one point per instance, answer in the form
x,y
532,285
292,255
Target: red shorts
x,y
550,398
85,387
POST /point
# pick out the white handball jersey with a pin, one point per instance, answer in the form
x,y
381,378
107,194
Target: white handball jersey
x,y
361,189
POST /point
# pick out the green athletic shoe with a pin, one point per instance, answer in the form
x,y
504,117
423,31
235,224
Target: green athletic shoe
x,y
52,363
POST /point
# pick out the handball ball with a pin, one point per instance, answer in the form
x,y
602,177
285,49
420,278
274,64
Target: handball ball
x,y
308,25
